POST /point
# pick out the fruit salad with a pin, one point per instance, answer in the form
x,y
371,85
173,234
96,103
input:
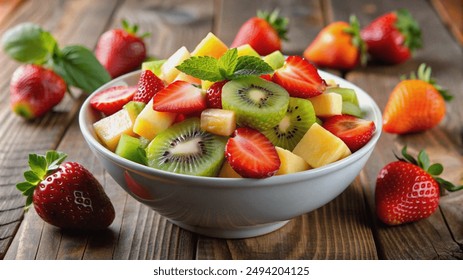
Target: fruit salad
x,y
229,112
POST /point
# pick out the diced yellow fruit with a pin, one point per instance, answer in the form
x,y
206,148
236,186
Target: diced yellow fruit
x,y
168,70
218,121
210,46
290,162
187,78
327,104
205,85
247,50
150,122
110,129
320,147
227,171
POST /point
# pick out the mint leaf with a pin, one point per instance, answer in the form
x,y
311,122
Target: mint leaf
x,y
79,67
28,43
251,66
202,67
227,62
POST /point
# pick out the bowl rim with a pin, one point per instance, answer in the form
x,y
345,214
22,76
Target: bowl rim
x,y
147,171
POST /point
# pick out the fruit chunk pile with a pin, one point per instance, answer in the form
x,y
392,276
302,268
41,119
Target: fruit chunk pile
x,y
231,113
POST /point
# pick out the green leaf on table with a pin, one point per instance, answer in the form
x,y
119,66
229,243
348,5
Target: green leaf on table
x,y
79,67
28,43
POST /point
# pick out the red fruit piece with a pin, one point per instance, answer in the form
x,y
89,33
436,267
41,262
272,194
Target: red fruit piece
x,y
148,85
66,195
111,100
300,78
355,132
121,50
392,37
338,46
407,190
180,97
416,104
263,33
35,90
251,154
214,95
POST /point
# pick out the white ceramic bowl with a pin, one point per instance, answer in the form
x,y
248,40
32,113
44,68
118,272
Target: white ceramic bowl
x,y
226,207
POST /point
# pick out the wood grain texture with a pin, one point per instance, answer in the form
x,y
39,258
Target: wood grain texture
x,y
451,12
430,238
345,228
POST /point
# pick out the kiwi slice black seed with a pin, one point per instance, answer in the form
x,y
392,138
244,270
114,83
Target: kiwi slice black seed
x,y
186,149
299,116
257,103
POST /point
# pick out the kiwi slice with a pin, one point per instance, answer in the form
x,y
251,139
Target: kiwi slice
x,y
186,149
350,103
131,148
300,115
257,103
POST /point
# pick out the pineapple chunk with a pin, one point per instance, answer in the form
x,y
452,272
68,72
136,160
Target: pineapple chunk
x,y
247,50
110,129
205,85
187,78
327,104
320,147
218,121
168,70
150,122
210,46
227,171
290,162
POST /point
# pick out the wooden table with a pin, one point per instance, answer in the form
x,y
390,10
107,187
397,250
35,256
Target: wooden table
x,y
346,228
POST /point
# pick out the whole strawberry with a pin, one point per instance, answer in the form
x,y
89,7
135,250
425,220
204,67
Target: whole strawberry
x,y
392,37
121,50
415,104
66,195
263,33
408,191
338,46
35,90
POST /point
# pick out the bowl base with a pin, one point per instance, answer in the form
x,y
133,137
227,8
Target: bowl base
x,y
240,232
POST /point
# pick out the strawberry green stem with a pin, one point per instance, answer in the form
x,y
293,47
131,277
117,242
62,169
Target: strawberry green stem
x,y
280,24
424,73
357,41
40,167
433,169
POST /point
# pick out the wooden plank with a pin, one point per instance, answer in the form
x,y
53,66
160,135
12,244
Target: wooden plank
x,y
335,231
438,237
451,12
41,135
137,232
7,7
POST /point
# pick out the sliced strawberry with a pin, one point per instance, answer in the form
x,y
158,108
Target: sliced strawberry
x,y
251,154
267,77
353,131
180,97
148,85
214,95
112,99
300,78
